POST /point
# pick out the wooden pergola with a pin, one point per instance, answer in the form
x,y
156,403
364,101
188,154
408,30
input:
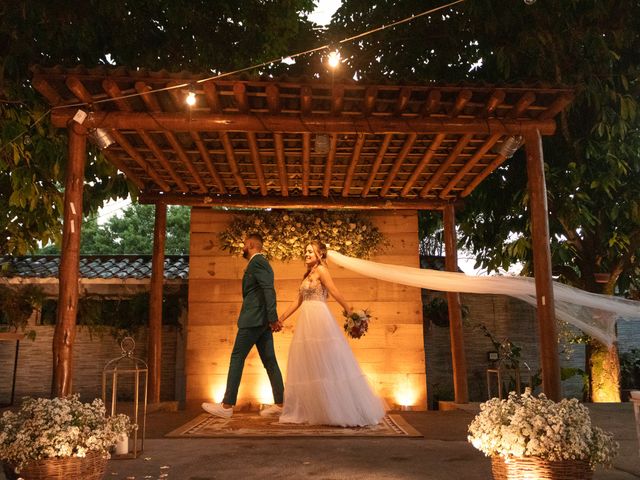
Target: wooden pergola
x,y
298,144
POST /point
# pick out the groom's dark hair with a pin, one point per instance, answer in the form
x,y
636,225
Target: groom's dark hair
x,y
257,237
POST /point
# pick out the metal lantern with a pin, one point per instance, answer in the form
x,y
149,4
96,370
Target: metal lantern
x,y
122,374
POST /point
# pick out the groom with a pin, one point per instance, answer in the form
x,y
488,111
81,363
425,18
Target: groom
x,y
258,319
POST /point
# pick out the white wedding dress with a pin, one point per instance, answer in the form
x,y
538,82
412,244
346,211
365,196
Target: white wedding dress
x,y
325,385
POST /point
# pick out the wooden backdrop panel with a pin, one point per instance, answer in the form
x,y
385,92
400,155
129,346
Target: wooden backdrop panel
x,y
391,353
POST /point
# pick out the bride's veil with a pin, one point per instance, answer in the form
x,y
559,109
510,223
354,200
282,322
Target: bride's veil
x,y
592,313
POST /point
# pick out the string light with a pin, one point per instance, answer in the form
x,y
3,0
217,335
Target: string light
x,y
333,59
191,96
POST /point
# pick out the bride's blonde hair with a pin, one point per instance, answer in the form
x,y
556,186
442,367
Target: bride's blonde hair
x,y
320,249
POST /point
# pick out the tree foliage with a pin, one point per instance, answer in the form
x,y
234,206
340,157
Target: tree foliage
x,y
592,163
132,233
197,35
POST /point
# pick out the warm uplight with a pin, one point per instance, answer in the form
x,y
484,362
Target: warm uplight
x,y
405,395
264,393
191,99
217,393
333,59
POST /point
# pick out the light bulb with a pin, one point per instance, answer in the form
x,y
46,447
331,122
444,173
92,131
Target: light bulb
x,y
529,2
333,59
191,99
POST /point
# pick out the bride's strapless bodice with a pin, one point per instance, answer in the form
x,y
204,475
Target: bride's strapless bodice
x,y
313,290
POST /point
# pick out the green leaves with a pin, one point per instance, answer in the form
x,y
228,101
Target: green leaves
x,y
197,35
132,232
592,164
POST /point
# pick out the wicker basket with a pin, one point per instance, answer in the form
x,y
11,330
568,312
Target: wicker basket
x,y
91,467
532,467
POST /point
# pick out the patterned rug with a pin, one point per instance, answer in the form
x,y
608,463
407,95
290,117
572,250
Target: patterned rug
x,y
253,425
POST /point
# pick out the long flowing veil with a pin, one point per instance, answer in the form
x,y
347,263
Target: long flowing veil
x,y
592,313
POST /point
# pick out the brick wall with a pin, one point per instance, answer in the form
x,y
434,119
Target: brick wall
x,y
91,352
505,317
628,334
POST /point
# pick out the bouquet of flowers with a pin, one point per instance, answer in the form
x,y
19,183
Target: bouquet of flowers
x,y
56,428
529,426
356,323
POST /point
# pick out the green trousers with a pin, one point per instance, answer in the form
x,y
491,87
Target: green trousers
x,y
262,338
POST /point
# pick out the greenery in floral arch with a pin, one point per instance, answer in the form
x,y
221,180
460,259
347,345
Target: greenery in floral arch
x,y
286,234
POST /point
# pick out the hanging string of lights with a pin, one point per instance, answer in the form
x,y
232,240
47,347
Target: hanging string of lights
x,y
333,60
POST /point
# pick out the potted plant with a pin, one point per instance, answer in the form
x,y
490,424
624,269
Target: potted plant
x,y
58,438
534,437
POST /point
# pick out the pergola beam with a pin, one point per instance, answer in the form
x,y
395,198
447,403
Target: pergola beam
x,y
248,201
435,178
265,122
395,168
376,164
424,161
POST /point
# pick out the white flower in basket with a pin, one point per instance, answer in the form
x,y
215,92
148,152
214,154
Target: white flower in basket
x,y
529,426
57,428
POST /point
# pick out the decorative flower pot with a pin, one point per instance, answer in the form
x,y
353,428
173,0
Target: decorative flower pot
x,y
532,467
91,467
122,446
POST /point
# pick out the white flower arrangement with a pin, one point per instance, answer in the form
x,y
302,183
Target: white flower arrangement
x,y
286,234
529,426
56,428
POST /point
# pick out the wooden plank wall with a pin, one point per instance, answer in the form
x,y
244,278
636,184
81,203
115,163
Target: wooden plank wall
x,y
391,353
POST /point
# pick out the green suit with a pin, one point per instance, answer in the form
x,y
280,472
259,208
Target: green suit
x,y
257,313
258,294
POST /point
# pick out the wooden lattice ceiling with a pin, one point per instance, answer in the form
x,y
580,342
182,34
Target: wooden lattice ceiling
x,y
249,142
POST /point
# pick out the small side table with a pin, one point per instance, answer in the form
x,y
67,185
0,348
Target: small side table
x,y
636,413
499,373
12,337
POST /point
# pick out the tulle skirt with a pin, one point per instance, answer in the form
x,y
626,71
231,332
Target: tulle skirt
x,y
325,385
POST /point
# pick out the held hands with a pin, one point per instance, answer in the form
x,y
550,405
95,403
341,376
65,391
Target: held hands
x,y
276,326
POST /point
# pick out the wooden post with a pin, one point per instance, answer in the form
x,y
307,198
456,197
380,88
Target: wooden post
x,y
549,358
155,303
68,273
461,391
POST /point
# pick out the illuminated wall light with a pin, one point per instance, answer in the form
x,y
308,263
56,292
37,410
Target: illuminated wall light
x,y
333,59
102,137
509,146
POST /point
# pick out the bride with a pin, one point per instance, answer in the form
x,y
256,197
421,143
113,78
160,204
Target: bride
x,y
325,385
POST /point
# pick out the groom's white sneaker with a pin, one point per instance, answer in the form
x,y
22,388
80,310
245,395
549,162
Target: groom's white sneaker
x,y
272,411
217,410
